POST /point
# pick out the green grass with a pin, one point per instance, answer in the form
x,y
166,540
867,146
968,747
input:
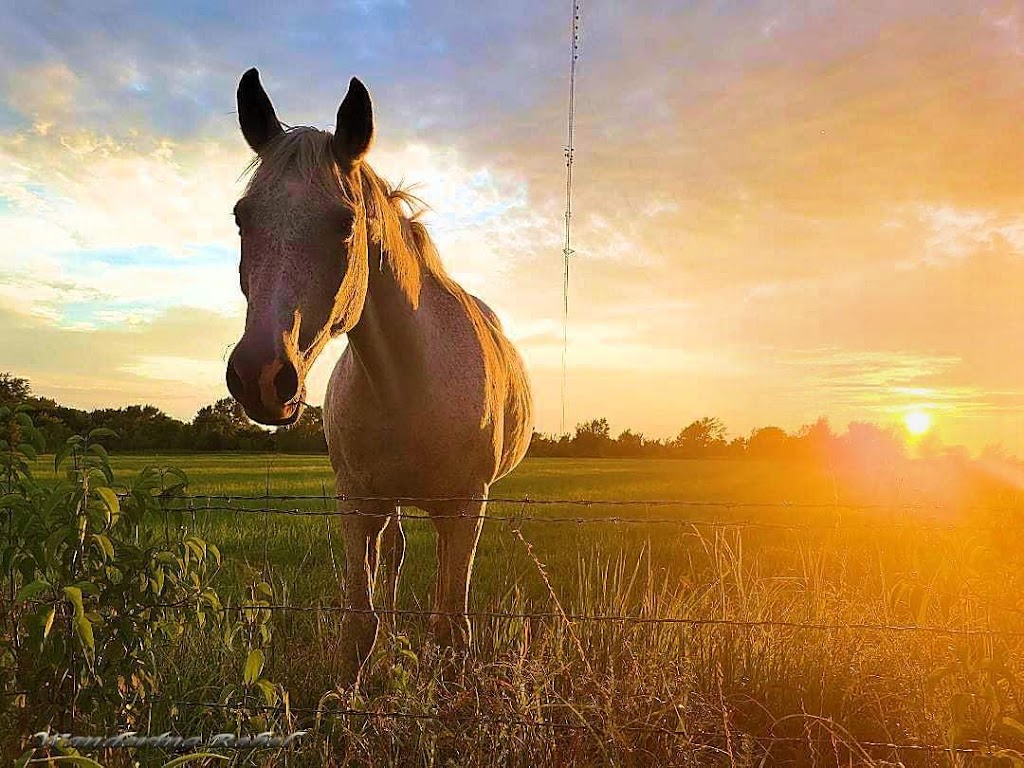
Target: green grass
x,y
735,695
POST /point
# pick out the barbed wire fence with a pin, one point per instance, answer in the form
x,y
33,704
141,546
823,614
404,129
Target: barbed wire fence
x,y
958,518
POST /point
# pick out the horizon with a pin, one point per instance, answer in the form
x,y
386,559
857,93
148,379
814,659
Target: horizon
x,y
912,434
780,214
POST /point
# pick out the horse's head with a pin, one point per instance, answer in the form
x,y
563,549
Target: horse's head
x,y
303,237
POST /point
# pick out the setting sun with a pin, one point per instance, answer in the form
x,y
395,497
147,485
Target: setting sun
x,y
917,422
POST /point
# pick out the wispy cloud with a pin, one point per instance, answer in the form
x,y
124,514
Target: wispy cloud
x,y
955,233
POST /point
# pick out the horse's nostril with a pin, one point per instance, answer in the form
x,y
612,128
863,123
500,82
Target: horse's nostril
x,y
286,382
234,381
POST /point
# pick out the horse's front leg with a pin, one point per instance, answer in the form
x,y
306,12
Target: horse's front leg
x,y
362,523
458,531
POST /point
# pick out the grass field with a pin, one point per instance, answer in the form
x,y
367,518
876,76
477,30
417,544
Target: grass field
x,y
617,693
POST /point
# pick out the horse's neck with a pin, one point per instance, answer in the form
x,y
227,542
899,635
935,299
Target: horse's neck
x,y
388,341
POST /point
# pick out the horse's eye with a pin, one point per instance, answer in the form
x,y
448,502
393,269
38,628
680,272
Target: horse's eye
x,y
342,220
238,212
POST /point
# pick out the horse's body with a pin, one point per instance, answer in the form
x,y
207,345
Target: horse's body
x,y
429,402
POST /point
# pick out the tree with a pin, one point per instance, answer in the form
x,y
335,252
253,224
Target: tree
x,y
701,437
815,441
224,426
768,443
13,389
543,445
871,445
140,427
306,435
593,438
630,443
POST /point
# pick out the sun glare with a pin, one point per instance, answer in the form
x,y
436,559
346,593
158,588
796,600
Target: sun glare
x,y
917,422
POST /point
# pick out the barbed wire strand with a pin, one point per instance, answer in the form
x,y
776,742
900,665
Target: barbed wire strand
x,y
612,618
398,500
930,524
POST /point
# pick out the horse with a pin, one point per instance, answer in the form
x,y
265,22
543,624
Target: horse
x,y
429,403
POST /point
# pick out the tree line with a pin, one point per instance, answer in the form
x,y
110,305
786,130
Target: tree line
x,y
707,438
223,426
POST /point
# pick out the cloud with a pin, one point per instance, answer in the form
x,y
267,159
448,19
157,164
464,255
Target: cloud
x,y
45,93
955,234
150,362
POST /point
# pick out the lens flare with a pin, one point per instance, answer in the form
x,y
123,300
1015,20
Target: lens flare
x,y
917,422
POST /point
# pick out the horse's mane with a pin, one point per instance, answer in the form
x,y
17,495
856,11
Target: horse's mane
x,y
392,217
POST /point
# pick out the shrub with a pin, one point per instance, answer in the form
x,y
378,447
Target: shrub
x,y
93,571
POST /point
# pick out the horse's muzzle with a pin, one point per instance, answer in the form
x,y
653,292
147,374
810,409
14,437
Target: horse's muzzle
x,y
269,388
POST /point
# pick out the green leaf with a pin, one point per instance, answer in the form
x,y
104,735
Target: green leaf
x,y
253,666
197,545
269,692
48,623
84,628
100,452
65,450
32,589
88,587
74,596
102,432
109,498
105,545
179,484
73,759
194,757
11,500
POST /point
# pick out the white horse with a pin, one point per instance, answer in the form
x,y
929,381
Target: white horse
x,y
429,401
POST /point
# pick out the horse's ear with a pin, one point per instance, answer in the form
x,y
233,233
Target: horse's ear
x,y
255,112
353,132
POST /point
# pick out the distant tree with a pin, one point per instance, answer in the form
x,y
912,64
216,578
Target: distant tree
x,y
55,432
598,428
542,444
140,428
815,441
304,436
703,437
224,426
737,448
630,443
592,439
550,446
871,445
13,389
768,443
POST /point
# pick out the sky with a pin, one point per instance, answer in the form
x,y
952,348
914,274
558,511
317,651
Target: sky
x,y
783,210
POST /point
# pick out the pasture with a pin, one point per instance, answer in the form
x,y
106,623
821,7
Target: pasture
x,y
781,634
